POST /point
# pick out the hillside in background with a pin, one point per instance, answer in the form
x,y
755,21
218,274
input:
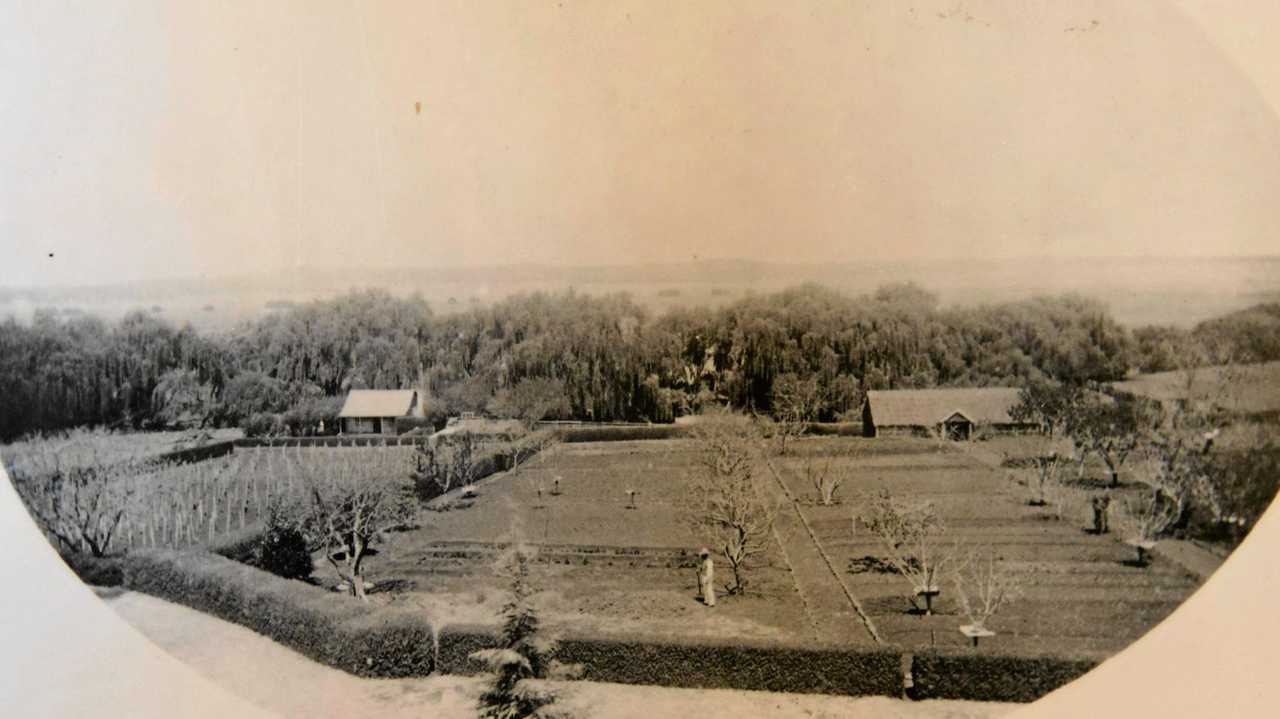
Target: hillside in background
x,y
1246,389
1138,291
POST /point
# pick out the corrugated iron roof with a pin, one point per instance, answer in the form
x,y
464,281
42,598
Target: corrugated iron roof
x,y
928,407
378,403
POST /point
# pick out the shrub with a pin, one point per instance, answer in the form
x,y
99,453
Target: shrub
x,y
260,424
282,549
523,652
851,428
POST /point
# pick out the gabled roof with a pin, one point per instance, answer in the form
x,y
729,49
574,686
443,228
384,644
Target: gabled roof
x,y
378,403
928,407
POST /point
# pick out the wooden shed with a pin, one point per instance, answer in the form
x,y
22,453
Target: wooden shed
x,y
954,413
374,411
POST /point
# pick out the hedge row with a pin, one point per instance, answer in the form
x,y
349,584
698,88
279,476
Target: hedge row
x,y
407,424
240,545
332,441
381,641
991,677
607,433
197,454
834,429
753,665
335,630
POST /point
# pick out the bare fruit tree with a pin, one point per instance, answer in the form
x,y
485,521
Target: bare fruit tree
x,y
983,585
826,480
351,500
523,449
1141,520
1111,427
912,534
83,505
725,506
1175,457
1048,468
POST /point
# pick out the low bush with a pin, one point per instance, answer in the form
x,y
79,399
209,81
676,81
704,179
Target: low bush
x,y
282,550
263,424
834,429
991,677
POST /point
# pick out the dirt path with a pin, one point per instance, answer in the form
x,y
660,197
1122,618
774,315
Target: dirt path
x,y
284,682
835,612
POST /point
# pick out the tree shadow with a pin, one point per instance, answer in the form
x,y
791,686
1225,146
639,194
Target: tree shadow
x,y
870,564
392,586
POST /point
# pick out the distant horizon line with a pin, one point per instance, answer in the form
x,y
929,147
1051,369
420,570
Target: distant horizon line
x,y
695,260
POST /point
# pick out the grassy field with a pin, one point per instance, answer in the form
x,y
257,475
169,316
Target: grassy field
x,y
615,569
1080,596
1249,389
611,569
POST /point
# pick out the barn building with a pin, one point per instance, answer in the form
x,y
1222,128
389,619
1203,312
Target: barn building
x,y
374,411
954,413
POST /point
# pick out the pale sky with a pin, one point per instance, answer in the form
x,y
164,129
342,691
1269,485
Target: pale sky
x,y
153,139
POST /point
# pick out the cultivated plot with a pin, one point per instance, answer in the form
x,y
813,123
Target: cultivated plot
x,y
1081,595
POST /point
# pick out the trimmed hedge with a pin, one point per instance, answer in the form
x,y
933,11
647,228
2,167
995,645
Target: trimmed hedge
x,y
834,429
338,631
382,641
197,454
332,441
405,424
991,677
95,571
605,433
240,545
762,666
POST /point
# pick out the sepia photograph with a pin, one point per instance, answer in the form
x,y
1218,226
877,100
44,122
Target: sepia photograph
x,y
616,359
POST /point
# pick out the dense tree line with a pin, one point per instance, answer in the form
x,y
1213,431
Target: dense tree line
x,y
606,355
1250,335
